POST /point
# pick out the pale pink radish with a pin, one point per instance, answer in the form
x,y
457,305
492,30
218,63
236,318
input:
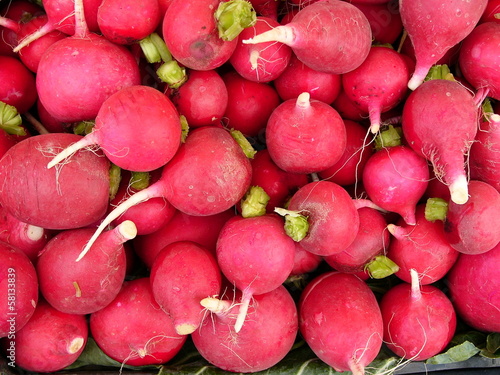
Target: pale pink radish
x,y
341,321
433,34
440,122
419,320
331,36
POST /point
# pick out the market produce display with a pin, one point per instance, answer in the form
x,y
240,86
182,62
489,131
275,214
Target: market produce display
x,y
249,186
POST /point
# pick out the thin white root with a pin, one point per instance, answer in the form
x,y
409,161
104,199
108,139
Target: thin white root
x,y
71,149
283,34
459,190
242,314
215,305
416,293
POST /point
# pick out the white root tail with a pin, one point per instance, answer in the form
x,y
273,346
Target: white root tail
x,y
242,314
459,190
283,34
86,141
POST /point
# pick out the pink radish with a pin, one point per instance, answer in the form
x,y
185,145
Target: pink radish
x,y
184,273
305,261
440,121
341,321
133,329
256,255
18,87
120,133
304,135
419,320
54,198
431,34
330,36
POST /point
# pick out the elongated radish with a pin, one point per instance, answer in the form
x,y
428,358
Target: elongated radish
x,y
431,34
331,36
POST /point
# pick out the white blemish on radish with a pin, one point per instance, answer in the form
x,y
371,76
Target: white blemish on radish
x,y
75,345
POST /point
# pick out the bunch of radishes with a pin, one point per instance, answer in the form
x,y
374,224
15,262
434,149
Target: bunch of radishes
x,y
181,160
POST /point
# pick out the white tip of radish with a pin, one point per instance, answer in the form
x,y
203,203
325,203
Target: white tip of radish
x,y
374,128
283,34
304,100
127,230
242,314
185,329
34,233
416,293
414,82
75,345
459,191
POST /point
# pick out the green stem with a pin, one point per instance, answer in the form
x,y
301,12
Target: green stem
x,y
115,177
435,209
296,224
140,180
389,137
154,48
10,120
254,202
83,127
439,72
381,267
185,128
172,74
232,17
244,143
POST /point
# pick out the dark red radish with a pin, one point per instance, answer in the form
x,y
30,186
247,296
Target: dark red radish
x,y
436,188
329,36
184,273
347,109
19,290
50,123
395,178
298,78
191,31
440,122
264,340
261,62
257,99
478,59
340,320
431,34
73,195
209,174
378,84
331,214
88,285
256,255
133,329
305,261
491,12
18,87
202,99
305,135
421,247
385,20
471,227
120,132
127,22
266,8
419,320
473,284
203,230
50,341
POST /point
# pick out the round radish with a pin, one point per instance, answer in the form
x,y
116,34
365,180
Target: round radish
x,y
385,20
18,87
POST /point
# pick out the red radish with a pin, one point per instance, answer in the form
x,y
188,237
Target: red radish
x,y
77,74
70,196
349,168
378,84
91,284
478,59
419,320
263,341
202,99
266,8
256,255
19,288
50,123
128,22
422,247
18,84
298,78
203,230
262,62
473,283
133,329
50,341
257,99
330,36
183,273
120,133
304,135
440,121
209,174
341,321
491,12
332,216
395,178
431,34
347,109
471,228
384,18
191,32
305,261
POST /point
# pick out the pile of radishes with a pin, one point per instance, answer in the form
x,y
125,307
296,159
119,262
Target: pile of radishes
x,y
168,166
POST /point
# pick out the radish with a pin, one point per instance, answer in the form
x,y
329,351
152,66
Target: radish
x,y
440,121
471,228
341,321
431,34
304,135
70,196
264,340
385,20
91,284
19,288
491,12
347,109
266,8
118,130
50,341
256,255
473,284
331,36
304,261
133,329
419,320
18,84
